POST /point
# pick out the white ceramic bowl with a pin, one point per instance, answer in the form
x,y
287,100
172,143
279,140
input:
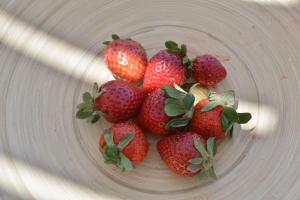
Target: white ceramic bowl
x,y
51,53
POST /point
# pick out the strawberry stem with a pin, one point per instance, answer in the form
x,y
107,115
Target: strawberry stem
x,y
113,152
114,37
203,165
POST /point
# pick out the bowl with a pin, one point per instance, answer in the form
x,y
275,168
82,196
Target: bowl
x,y
51,52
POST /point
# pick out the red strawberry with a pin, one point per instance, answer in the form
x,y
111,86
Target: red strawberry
x,y
124,145
186,155
166,68
207,123
117,100
126,59
214,117
152,115
208,71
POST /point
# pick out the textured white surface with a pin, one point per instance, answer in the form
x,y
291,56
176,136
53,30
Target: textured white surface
x,y
51,53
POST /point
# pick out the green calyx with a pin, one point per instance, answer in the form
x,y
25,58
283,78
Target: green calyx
x,y
178,104
203,165
174,48
229,115
86,109
114,37
113,152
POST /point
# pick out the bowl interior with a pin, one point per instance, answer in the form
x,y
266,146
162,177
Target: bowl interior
x,y
52,52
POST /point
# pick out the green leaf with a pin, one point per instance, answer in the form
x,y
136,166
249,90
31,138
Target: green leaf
x,y
83,113
177,87
230,127
196,161
96,118
211,105
211,173
172,101
125,162
108,138
199,146
181,122
87,97
212,146
173,109
125,141
194,168
225,122
230,114
202,175
189,73
243,118
183,49
172,92
106,42
228,98
115,37
93,118
185,60
188,101
208,174
112,153
83,105
172,46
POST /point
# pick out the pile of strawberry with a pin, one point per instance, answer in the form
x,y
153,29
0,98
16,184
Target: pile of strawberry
x,y
190,120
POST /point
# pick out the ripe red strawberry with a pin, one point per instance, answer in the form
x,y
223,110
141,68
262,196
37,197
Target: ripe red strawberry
x,y
126,59
207,70
214,117
117,100
124,145
186,155
166,68
152,115
207,123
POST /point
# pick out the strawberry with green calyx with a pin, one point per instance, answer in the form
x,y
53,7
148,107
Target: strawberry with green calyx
x,y
179,104
215,116
185,154
126,59
124,145
166,67
117,101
